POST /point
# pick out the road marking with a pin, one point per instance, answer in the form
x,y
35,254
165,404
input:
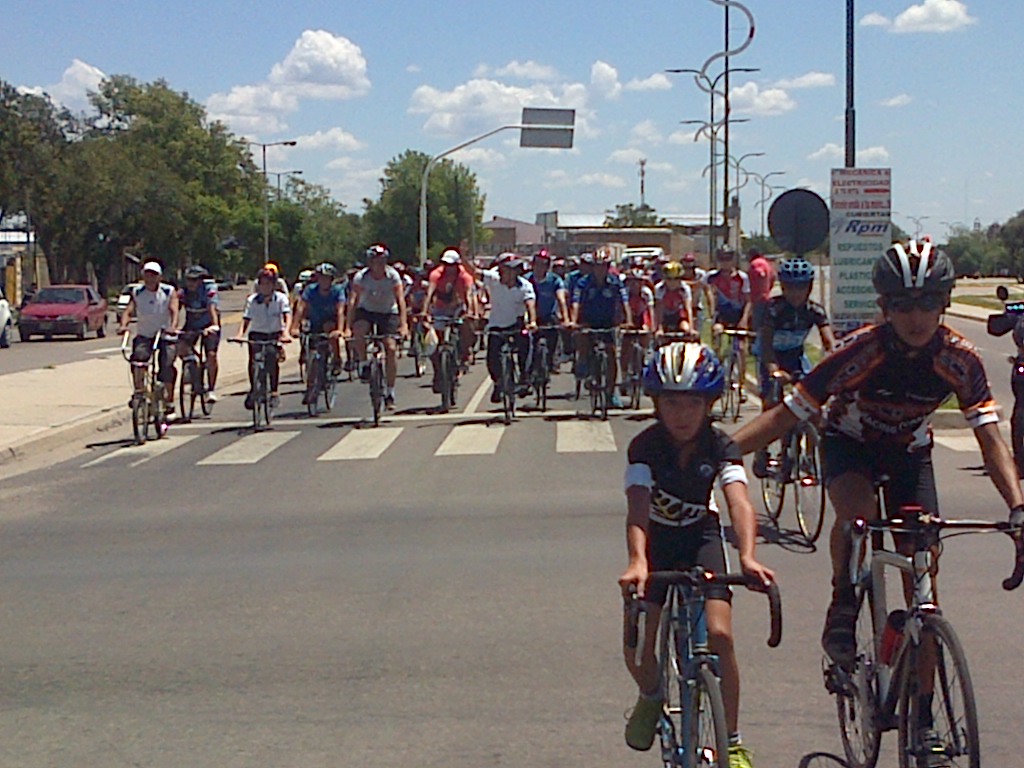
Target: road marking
x,y
474,402
362,444
959,443
140,454
105,351
249,449
585,437
471,440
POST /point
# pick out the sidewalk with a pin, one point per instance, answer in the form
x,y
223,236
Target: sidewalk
x,y
45,407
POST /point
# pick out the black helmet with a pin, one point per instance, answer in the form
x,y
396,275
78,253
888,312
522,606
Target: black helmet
x,y
196,272
917,266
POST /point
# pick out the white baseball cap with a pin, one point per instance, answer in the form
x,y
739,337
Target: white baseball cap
x,y
152,266
451,256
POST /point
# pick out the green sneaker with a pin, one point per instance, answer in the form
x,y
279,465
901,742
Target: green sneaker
x,y
643,723
739,757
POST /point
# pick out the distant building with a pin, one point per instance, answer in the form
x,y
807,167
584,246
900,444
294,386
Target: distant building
x,y
506,234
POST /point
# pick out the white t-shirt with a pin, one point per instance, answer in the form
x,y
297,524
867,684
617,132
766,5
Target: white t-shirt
x,y
508,305
378,295
153,309
266,314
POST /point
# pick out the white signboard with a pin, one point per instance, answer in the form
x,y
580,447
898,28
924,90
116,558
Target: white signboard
x,y
860,232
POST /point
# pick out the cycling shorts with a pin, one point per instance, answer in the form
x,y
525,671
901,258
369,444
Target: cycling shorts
x,y
381,323
728,316
188,339
142,352
679,549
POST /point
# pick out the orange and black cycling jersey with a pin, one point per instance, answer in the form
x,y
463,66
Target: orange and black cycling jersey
x,y
878,389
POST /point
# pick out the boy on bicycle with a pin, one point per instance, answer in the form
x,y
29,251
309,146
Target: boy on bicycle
x,y
672,522
265,318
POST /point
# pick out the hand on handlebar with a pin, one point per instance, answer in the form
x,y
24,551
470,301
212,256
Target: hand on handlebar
x,y
753,568
334,334
634,580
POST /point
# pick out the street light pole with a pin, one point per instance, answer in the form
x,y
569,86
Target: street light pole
x,y
266,196
764,198
279,174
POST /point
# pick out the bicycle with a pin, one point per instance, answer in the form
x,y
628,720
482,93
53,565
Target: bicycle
x,y
692,728
507,368
540,365
148,414
795,461
634,388
320,374
260,391
901,656
597,370
193,384
375,355
416,345
448,359
729,403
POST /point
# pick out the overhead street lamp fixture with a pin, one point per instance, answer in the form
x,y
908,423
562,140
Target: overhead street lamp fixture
x,y
540,127
279,174
266,197
764,185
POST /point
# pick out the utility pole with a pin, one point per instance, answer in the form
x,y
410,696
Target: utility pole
x,y
643,171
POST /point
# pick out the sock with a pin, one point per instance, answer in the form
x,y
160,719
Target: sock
x,y
735,739
391,391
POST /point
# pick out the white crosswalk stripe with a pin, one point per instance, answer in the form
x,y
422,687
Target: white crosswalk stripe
x,y
472,440
249,449
140,454
585,437
362,444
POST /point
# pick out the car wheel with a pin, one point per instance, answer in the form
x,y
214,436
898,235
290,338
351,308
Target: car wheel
x,y
5,336
24,336
83,329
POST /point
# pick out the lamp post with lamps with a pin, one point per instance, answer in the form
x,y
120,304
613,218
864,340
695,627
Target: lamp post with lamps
x,y
279,174
765,185
266,197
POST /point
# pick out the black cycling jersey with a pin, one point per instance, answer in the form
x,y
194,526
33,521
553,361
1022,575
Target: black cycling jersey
x,y
790,325
682,497
877,389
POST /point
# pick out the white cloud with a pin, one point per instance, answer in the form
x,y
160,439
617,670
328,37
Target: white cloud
x,y
657,82
605,80
870,155
252,109
414,69
809,80
481,157
645,132
322,65
682,136
901,100
528,70
934,16
334,138
73,89
751,99
833,151
560,178
628,156
830,151
875,20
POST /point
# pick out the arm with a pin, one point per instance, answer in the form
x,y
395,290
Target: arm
x,y
339,318
298,317
828,338
563,309
638,504
215,316
531,313
769,426
126,316
353,302
744,523
999,464
172,307
403,312
244,329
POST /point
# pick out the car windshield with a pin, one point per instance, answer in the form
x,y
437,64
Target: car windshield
x,y
59,296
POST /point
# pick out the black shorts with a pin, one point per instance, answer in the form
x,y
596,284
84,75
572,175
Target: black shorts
x,y
911,475
679,549
381,323
729,316
188,339
142,352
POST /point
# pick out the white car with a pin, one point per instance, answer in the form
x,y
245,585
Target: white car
x,y
5,321
125,297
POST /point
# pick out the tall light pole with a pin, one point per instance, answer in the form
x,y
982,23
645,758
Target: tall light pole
x,y
738,163
711,130
764,198
266,196
851,112
279,174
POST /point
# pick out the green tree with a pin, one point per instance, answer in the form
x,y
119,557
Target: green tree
x,y
630,215
330,233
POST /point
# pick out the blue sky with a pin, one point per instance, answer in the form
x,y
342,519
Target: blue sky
x,y
358,83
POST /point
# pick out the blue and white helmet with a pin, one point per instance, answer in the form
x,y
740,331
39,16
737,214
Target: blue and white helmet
x,y
684,366
796,271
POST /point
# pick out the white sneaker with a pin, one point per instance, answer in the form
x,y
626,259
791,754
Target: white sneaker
x,y
211,397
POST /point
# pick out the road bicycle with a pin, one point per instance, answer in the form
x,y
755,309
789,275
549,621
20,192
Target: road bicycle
x,y
260,392
692,729
376,351
416,346
149,417
507,379
193,386
635,360
447,373
320,377
909,671
598,369
729,402
794,461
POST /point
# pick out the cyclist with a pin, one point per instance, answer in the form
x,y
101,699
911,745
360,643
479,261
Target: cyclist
x,y
762,279
202,320
673,301
450,295
304,279
672,522
265,318
513,307
552,308
641,310
700,291
376,304
730,288
600,301
155,307
881,386
323,305
282,284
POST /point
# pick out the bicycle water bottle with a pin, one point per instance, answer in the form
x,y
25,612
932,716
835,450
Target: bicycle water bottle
x,y
891,635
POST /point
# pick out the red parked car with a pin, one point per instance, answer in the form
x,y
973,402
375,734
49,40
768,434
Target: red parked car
x,y
63,310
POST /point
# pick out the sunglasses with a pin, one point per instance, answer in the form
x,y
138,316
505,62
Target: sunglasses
x,y
927,302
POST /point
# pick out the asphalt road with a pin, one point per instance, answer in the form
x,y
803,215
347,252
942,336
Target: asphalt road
x,y
255,600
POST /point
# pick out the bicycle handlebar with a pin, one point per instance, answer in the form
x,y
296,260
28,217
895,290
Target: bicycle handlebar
x,y
259,342
702,579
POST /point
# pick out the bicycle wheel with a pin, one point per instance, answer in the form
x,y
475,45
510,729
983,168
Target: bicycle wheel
x,y
733,384
725,401
599,382
773,485
944,728
708,740
635,377
186,398
508,386
376,389
330,390
857,695
541,374
140,418
267,406
809,490
204,388
316,373
157,417
416,351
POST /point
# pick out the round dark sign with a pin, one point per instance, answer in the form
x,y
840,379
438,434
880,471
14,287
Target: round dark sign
x,y
798,221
